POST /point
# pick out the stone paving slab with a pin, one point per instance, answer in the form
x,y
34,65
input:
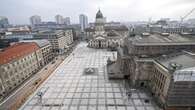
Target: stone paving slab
x,y
70,89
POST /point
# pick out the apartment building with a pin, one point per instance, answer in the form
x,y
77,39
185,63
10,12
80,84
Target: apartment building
x,y
68,33
59,39
17,63
45,48
56,39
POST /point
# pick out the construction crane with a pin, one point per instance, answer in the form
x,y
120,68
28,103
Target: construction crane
x,y
182,18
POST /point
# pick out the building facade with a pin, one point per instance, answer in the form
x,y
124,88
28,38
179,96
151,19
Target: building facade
x,y
83,21
35,20
19,32
59,19
101,36
3,22
45,49
18,62
68,33
168,28
161,64
67,20
172,81
59,39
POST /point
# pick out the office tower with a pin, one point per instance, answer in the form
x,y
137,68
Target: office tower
x,y
3,22
35,20
83,20
59,19
67,20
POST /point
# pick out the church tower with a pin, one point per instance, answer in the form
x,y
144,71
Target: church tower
x,y
99,23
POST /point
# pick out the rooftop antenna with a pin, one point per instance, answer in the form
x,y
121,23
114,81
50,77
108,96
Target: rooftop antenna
x,y
183,17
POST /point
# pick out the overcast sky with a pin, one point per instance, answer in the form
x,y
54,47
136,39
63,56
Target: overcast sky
x,y
19,11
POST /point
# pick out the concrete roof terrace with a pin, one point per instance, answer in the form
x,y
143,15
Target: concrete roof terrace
x,y
157,39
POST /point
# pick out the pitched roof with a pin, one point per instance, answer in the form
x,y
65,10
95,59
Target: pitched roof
x,y
17,51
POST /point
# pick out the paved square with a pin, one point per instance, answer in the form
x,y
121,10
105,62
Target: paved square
x,y
69,89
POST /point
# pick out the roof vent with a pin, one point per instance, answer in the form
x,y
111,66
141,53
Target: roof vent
x,y
174,66
165,34
145,34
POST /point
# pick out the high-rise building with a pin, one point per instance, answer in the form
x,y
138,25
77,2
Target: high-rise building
x,y
59,19
68,33
3,22
58,39
83,20
35,20
67,20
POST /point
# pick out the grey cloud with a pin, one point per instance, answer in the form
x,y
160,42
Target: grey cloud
x,y
19,11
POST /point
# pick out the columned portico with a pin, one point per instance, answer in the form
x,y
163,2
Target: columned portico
x,y
99,42
101,38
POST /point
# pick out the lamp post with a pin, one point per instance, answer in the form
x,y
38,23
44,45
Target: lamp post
x,y
40,95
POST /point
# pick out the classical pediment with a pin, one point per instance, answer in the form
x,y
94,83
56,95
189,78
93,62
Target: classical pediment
x,y
112,33
100,38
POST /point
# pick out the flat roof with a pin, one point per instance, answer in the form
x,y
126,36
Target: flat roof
x,y
186,63
40,42
157,39
53,32
183,59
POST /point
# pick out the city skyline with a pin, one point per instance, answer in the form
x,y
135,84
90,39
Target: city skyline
x,y
119,60
124,10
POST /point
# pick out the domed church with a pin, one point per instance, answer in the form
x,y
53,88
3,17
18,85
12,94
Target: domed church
x,y
102,35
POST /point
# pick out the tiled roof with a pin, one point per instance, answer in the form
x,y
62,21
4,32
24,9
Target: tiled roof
x,y
17,51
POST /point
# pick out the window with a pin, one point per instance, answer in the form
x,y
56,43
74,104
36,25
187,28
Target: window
x,y
11,73
4,67
8,66
16,71
1,87
6,75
